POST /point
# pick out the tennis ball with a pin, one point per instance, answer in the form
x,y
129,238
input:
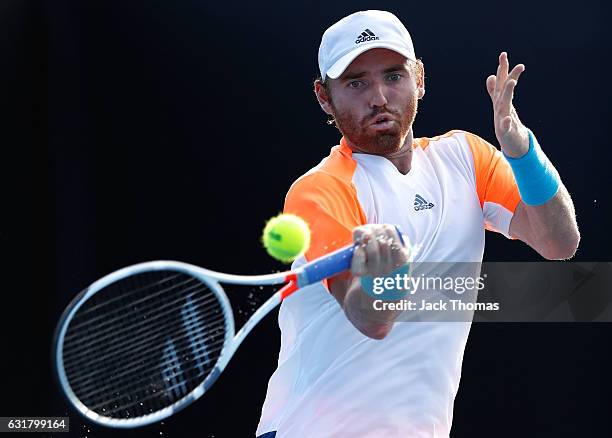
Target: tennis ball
x,y
286,237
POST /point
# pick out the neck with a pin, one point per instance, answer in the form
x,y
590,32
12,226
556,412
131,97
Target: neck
x,y
401,158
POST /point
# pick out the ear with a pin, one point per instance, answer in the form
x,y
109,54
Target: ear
x,y
323,97
420,79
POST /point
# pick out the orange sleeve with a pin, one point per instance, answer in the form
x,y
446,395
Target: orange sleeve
x,y
330,207
497,190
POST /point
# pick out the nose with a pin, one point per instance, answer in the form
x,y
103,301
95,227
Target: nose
x,y
377,97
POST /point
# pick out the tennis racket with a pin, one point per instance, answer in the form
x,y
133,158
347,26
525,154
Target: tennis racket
x,y
146,341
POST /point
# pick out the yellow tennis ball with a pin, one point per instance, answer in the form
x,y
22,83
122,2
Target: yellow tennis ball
x,y
286,237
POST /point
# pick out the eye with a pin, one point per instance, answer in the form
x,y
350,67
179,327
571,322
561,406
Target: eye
x,y
355,84
394,77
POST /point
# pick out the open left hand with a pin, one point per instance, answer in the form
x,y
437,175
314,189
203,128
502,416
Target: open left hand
x,y
511,134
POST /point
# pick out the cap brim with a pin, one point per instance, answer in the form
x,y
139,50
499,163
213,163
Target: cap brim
x,y
340,65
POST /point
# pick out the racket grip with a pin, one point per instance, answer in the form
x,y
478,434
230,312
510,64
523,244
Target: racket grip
x,y
327,266
332,264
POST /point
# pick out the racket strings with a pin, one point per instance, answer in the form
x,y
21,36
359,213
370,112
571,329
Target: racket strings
x,y
102,303
177,387
81,346
123,349
172,372
127,347
143,342
124,389
110,319
101,393
141,360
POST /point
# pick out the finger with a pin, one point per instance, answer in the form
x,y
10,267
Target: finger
x,y
358,263
400,250
508,93
502,72
491,85
516,72
503,104
372,253
359,234
401,255
386,241
363,236
399,239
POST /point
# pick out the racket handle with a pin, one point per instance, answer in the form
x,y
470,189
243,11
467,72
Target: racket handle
x,y
327,266
332,263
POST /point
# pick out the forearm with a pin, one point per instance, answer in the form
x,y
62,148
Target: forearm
x,y
379,252
358,306
545,218
551,228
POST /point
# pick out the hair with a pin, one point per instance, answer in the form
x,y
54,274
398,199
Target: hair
x,y
325,84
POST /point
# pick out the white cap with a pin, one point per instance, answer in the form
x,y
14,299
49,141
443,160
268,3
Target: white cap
x,y
350,37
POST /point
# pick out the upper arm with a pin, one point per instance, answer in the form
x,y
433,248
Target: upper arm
x,y
520,227
495,185
550,228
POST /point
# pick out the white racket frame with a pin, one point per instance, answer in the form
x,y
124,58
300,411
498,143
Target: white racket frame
x,y
231,342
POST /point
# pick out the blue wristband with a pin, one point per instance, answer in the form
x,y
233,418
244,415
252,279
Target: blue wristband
x,y
537,179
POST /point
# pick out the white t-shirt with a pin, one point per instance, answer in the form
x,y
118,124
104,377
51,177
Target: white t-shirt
x,y
331,380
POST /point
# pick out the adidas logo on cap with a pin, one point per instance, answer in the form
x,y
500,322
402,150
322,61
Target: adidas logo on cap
x,y
366,35
421,204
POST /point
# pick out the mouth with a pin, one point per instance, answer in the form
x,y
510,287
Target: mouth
x,y
382,119
382,122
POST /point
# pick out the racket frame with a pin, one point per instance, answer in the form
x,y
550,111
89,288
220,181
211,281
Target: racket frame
x,y
312,272
230,343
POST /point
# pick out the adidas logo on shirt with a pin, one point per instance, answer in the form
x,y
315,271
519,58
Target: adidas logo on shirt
x,y
421,204
366,35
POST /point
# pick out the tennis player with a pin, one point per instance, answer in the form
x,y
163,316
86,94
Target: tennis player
x,y
345,370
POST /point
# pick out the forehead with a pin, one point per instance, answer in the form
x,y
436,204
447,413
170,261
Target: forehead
x,y
375,60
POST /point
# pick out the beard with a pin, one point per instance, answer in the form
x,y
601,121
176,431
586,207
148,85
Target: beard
x,y
361,134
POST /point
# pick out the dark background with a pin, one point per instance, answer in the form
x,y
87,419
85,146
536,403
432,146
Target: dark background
x,y
141,130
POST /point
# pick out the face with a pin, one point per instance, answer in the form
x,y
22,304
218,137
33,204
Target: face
x,y
374,102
